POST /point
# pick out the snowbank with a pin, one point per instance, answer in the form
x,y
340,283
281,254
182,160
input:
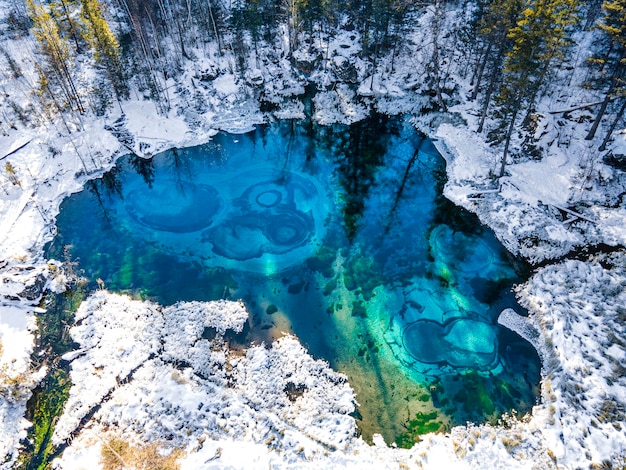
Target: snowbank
x,y
153,373
580,307
168,375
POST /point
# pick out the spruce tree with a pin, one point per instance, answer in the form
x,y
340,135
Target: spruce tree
x,y
499,17
540,35
106,49
56,73
63,13
613,64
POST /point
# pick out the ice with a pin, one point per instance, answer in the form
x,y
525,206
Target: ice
x,y
524,327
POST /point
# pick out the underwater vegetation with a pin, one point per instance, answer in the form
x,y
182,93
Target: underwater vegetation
x,y
338,235
421,423
474,395
49,397
362,274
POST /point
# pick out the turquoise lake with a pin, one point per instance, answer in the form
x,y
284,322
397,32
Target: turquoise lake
x,y
339,235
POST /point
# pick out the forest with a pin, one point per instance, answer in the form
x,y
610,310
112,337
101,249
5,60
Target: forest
x,y
525,101
511,51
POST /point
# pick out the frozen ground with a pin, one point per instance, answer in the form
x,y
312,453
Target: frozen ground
x,y
231,407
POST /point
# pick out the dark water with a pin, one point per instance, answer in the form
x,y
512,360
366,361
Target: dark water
x,y
339,235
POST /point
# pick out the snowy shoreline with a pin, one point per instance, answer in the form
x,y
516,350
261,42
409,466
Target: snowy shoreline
x,y
464,446
576,306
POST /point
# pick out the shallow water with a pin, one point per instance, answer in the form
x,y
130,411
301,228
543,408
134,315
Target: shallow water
x,y
339,235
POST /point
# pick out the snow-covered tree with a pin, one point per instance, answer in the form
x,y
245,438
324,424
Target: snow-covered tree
x,y
104,43
541,35
613,65
56,73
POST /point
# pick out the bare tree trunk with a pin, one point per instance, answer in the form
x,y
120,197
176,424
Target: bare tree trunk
x,y
618,116
435,57
478,72
168,15
73,31
507,143
218,38
487,99
607,98
594,127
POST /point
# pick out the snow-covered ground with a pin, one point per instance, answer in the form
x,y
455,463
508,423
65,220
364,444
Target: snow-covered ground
x,y
138,378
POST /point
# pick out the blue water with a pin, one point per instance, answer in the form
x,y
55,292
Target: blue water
x,y
338,235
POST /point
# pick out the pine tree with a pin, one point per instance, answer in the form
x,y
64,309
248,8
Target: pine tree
x,y
56,74
63,14
499,17
613,65
540,35
107,54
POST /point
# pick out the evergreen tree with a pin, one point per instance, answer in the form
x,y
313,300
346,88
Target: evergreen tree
x,y
494,25
56,74
63,14
434,71
613,65
144,44
540,35
106,48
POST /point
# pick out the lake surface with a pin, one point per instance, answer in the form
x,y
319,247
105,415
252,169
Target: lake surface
x,y
339,235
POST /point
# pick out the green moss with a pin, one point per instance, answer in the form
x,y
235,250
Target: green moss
x,y
423,423
52,326
330,287
506,394
46,405
49,397
358,310
271,309
424,397
362,272
323,261
475,395
349,281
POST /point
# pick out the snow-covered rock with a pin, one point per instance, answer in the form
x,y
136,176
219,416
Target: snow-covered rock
x,y
168,376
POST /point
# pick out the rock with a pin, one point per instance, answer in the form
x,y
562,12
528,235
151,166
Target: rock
x,y
35,290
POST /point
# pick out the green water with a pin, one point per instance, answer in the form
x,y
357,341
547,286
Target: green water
x,y
339,235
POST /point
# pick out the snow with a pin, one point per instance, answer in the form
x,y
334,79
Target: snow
x,y
580,308
338,105
148,374
158,129
16,345
524,327
149,371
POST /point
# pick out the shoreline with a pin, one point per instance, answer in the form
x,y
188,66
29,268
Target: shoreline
x,y
436,440
575,413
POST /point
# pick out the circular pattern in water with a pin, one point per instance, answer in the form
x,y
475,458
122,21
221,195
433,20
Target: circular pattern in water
x,y
466,252
160,208
274,190
252,235
269,198
272,217
460,343
288,230
367,296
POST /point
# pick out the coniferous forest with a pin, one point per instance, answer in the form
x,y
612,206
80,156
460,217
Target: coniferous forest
x,y
523,99
512,53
